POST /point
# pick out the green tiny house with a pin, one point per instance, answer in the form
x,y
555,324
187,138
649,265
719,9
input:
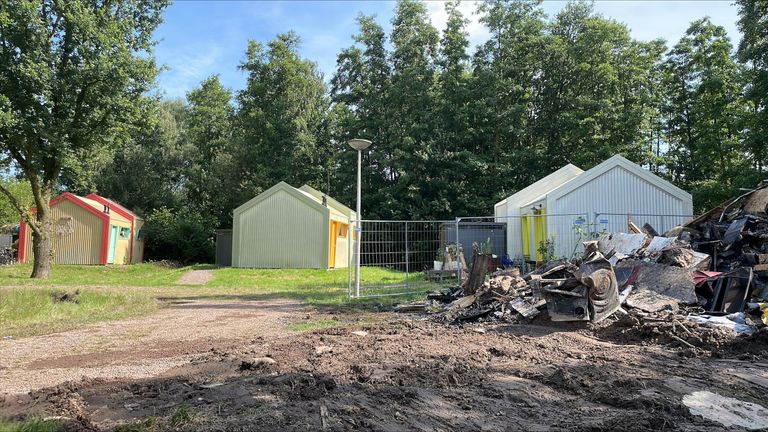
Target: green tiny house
x,y
287,227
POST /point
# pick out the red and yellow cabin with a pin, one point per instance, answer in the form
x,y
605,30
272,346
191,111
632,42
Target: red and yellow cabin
x,y
89,230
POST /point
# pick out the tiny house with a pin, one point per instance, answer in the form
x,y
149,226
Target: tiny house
x,y
288,227
563,208
88,230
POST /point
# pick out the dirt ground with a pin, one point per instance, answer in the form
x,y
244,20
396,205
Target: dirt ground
x,y
234,366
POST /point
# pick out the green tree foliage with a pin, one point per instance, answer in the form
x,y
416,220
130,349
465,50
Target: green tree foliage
x,y
181,235
453,144
359,89
703,107
753,53
21,190
209,172
71,74
506,68
148,170
281,111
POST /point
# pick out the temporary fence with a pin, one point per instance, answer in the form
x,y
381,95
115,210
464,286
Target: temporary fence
x,y
619,222
403,257
397,257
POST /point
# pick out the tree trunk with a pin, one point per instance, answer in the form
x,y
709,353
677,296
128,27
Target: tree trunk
x,y
41,243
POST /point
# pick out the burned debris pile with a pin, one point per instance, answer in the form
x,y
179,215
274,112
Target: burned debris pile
x,y
710,272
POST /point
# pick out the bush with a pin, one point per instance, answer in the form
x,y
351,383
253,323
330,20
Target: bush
x,y
181,235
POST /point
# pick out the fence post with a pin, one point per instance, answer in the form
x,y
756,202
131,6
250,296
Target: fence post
x,y
458,250
358,247
407,270
349,257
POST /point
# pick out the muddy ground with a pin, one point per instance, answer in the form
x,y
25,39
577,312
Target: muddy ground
x,y
400,373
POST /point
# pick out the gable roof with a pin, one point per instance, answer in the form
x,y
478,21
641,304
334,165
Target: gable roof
x,y
300,195
619,161
346,211
87,204
544,185
114,205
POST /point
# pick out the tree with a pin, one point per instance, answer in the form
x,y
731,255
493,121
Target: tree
x,y
279,120
595,95
208,133
359,90
506,69
71,74
453,132
405,157
753,52
148,169
703,108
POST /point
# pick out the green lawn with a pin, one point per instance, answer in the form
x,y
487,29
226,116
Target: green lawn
x,y
27,306
146,274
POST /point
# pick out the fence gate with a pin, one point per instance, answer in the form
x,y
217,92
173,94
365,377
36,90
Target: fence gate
x,y
399,257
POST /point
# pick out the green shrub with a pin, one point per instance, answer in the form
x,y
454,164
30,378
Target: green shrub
x,y
182,236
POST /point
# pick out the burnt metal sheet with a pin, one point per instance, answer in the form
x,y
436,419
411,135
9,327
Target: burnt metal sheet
x,y
733,234
568,308
731,291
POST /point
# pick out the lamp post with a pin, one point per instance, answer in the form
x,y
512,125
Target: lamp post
x,y
359,145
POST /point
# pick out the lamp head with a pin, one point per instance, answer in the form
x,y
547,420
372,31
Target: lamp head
x,y
359,144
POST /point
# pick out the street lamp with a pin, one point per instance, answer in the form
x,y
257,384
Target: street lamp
x,y
359,145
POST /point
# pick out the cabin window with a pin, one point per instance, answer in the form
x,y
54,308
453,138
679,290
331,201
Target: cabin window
x,y
125,233
343,231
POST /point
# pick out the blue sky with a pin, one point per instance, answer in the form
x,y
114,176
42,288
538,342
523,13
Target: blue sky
x,y
202,38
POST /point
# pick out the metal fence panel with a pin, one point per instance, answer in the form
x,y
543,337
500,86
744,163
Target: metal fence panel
x,y
619,222
398,257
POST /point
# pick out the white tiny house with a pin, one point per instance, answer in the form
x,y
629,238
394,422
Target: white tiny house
x,y
556,212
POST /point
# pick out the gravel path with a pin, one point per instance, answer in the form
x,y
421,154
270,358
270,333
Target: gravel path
x,y
196,277
139,347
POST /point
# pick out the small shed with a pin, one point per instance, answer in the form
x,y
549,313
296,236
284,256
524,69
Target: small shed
x,y
288,227
137,225
555,214
87,231
223,247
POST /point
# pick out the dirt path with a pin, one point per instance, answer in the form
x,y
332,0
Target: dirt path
x,y
412,374
195,277
141,347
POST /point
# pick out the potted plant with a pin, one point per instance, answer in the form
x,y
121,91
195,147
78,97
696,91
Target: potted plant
x,y
439,259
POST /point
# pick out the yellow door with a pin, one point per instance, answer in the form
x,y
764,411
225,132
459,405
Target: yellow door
x,y
332,250
540,232
526,227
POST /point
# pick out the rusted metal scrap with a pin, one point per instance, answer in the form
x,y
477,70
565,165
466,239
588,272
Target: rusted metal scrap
x,y
596,273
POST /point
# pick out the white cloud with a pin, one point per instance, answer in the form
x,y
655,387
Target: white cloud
x,y
186,67
478,33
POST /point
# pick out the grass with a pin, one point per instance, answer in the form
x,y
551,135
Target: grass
x,y
31,425
144,274
116,292
26,311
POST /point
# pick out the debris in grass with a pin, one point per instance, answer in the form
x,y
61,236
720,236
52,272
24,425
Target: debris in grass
x,y
66,297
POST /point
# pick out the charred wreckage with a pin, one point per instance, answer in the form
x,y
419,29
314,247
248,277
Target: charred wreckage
x,y
711,271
